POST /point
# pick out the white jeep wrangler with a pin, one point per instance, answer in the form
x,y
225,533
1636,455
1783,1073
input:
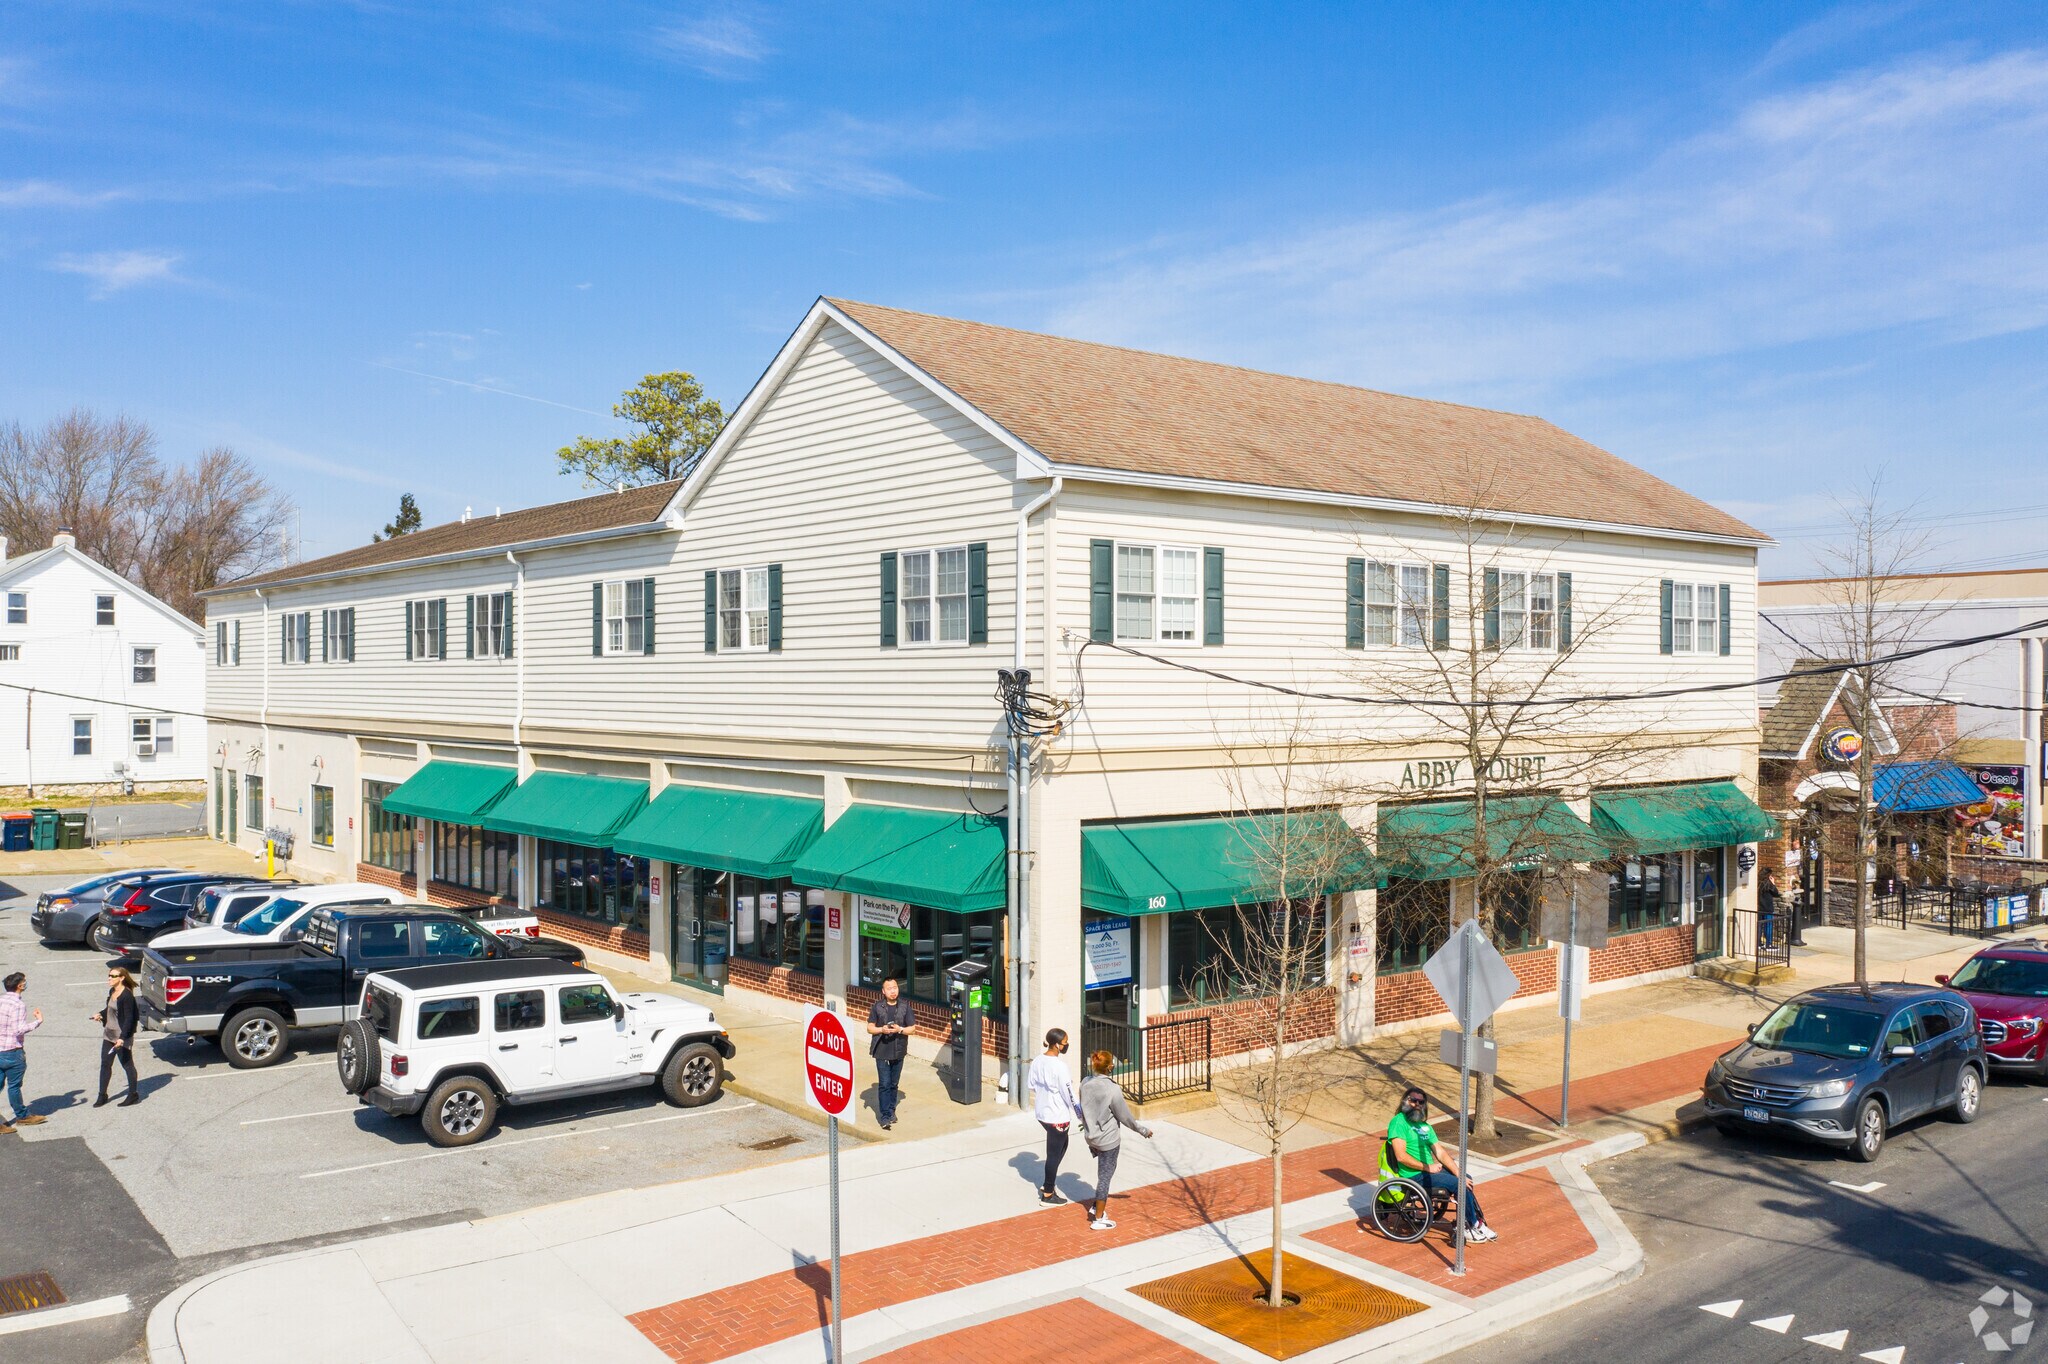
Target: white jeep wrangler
x,y
451,1043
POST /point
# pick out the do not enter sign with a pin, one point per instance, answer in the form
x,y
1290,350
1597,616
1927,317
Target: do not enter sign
x,y
828,1064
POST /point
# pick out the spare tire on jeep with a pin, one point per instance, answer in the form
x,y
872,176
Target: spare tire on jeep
x,y
356,1056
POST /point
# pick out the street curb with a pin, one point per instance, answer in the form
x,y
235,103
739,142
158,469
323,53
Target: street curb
x,y
160,1336
796,1108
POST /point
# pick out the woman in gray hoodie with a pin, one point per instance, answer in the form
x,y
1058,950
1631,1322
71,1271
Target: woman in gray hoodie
x,y
1104,1115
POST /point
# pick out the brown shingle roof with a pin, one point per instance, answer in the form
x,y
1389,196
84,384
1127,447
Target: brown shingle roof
x,y
1801,703
605,511
1103,407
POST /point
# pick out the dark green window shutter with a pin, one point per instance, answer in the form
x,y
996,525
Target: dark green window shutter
x,y
509,599
408,627
1564,613
889,600
597,619
235,645
1102,590
1212,595
1727,636
775,608
1440,606
1491,603
323,636
977,593
647,615
468,625
1664,626
1354,603
440,627
284,637
710,610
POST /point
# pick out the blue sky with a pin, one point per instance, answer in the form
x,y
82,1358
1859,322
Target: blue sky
x,y
1762,250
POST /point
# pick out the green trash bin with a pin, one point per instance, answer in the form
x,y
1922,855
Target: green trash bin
x,y
71,829
43,828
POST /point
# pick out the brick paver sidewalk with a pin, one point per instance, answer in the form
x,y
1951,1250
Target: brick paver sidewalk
x,y
1072,1332
1617,1091
1539,1231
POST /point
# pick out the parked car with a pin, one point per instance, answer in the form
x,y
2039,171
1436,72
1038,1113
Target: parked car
x,y
2007,984
278,918
251,998
137,913
452,1043
224,904
1844,1065
68,915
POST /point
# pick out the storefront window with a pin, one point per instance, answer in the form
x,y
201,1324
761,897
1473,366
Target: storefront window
x,y
1645,892
387,838
594,883
1518,917
771,924
476,859
1414,920
916,945
1218,954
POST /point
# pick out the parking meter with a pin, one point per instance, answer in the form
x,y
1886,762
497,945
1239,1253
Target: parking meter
x,y
967,994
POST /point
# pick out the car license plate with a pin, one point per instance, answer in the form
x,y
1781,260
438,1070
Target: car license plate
x,y
1754,1114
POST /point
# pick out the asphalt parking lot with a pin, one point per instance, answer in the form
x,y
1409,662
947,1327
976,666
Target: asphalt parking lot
x,y
219,1164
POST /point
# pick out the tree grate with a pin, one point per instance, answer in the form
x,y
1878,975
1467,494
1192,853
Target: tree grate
x,y
27,1292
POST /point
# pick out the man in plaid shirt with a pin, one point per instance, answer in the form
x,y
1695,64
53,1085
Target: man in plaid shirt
x,y
17,1021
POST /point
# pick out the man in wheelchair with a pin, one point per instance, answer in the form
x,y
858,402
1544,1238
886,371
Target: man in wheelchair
x,y
1411,1153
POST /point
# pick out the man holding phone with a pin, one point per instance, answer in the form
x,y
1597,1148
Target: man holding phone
x,y
889,1023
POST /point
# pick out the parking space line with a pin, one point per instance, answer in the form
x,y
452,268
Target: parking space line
x,y
292,1117
266,1070
524,1141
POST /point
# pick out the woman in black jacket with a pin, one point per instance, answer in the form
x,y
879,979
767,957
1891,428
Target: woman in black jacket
x,y
117,1034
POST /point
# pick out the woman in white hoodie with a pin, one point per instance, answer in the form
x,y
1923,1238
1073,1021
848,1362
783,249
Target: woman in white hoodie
x,y
1054,1105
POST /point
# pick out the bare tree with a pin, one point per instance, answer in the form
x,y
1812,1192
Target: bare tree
x,y
174,530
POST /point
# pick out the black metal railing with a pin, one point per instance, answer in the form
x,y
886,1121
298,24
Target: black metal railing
x,y
1155,1060
1764,938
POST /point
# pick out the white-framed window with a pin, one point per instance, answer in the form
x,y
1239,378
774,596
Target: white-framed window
x,y
625,616
933,595
10,653
144,664
81,736
338,634
426,627
152,734
17,608
103,609
490,620
1527,605
743,608
220,644
298,636
1695,618
1542,611
1158,593
1417,606
1397,605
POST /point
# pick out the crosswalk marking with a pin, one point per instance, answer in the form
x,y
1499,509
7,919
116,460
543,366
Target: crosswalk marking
x,y
1778,1324
1723,1309
1832,1340
1891,1355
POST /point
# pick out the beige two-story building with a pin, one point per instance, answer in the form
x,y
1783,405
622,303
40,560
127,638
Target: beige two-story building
x,y
743,731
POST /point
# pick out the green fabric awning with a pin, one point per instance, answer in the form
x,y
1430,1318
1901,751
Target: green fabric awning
x,y
1657,819
1435,841
454,793
568,807
923,857
750,832
1158,867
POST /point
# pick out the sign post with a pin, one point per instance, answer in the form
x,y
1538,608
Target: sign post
x,y
828,1084
1475,980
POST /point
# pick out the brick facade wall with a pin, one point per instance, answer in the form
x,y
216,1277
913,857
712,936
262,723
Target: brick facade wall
x,y
1240,1026
1409,996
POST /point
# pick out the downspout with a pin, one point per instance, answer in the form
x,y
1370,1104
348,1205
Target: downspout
x,y
263,647
518,661
1019,821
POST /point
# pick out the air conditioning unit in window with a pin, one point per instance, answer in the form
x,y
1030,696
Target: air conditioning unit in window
x,y
145,750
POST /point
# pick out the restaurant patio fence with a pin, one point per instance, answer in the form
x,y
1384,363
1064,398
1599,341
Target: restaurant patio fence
x,y
1154,1060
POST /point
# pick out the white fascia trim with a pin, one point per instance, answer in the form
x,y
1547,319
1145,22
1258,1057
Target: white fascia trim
x,y
1030,464
452,556
1821,718
107,575
1220,487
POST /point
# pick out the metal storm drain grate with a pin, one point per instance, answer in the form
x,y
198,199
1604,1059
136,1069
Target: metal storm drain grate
x,y
773,1143
1323,1306
27,1292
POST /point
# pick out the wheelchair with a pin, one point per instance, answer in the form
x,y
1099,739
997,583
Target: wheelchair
x,y
1404,1209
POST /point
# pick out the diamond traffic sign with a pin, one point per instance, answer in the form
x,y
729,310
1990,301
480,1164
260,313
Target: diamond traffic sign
x,y
1493,981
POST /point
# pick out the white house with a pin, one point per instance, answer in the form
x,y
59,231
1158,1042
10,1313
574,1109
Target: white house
x,y
744,731
99,681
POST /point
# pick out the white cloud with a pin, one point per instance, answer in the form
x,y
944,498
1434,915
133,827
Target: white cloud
x,y
1913,196
113,271
49,194
718,43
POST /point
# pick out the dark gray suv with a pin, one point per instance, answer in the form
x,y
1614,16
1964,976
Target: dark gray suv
x,y
1844,1065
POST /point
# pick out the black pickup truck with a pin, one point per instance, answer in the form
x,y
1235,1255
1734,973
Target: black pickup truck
x,y
251,999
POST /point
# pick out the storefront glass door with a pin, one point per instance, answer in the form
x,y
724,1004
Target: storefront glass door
x,y
1109,988
700,927
1708,899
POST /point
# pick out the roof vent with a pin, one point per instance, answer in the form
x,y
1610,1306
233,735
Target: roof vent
x,y
465,516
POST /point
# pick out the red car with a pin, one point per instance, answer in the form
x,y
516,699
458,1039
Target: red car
x,y
2008,986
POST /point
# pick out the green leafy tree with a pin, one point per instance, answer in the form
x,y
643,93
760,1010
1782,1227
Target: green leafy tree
x,y
405,523
677,425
